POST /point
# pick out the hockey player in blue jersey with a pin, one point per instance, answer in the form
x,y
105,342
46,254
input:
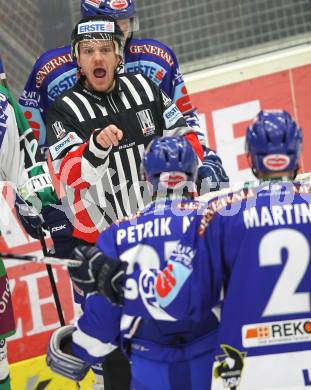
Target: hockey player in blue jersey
x,y
54,73
164,354
254,245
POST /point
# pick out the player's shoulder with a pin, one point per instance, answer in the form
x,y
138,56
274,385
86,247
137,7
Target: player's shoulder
x,y
152,42
52,54
151,47
226,202
69,93
136,79
172,208
184,207
237,192
123,222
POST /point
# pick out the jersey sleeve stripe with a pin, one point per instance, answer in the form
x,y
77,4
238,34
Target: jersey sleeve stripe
x,y
132,161
123,185
125,101
99,153
92,345
132,90
146,87
102,109
74,108
87,105
118,208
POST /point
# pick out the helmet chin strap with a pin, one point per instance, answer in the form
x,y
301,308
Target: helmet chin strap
x,y
119,66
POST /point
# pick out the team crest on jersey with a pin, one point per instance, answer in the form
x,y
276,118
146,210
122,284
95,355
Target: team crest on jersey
x,y
147,280
119,4
276,162
59,130
230,367
146,122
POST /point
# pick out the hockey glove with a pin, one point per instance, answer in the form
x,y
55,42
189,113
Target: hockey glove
x,y
57,222
98,273
110,281
60,359
29,218
211,175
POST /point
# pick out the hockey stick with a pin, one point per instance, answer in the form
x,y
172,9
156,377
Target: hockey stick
x,y
303,178
43,260
51,276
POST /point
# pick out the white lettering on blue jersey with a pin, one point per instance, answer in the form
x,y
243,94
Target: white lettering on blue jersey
x,y
159,227
277,215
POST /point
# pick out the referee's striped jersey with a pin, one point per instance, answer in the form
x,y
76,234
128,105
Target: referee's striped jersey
x,y
102,185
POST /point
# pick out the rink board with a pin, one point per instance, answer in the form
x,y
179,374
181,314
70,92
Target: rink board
x,y
227,111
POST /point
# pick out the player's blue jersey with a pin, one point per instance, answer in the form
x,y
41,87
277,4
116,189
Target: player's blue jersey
x,y
145,242
255,246
159,63
54,73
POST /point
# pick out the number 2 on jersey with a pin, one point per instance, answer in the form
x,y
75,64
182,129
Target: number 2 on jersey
x,y
284,298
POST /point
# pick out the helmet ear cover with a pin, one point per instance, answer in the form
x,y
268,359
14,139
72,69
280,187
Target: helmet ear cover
x,y
273,142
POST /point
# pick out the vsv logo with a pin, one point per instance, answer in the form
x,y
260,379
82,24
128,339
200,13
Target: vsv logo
x,y
146,289
165,281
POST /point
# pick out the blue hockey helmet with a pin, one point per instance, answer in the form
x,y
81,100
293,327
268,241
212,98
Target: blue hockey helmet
x,y
273,142
118,9
170,163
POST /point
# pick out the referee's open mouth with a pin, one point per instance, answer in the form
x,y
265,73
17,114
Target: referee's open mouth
x,y
99,72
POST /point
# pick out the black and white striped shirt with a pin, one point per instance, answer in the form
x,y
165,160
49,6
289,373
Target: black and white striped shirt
x,y
102,185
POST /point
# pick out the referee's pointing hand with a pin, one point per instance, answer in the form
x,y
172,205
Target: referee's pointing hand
x,y
110,135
